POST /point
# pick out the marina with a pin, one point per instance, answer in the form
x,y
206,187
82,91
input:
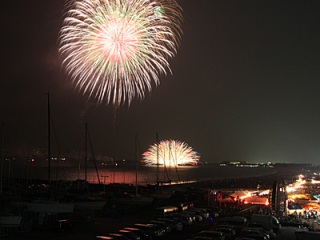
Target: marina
x,y
108,213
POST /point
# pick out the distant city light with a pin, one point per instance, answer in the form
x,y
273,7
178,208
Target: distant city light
x,y
171,153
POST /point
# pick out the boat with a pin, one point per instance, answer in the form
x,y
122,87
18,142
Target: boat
x,y
9,224
12,221
126,198
89,205
45,206
85,202
9,219
50,207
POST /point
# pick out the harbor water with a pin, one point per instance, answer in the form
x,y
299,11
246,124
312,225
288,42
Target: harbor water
x,y
144,175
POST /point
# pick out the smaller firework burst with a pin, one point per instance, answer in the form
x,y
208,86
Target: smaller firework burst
x,y
170,153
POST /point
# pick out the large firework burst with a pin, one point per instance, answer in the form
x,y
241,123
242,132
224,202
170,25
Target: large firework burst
x,y
170,153
115,50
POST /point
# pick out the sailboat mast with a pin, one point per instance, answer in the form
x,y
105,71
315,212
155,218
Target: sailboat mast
x,y
86,152
2,143
49,145
94,159
157,141
136,153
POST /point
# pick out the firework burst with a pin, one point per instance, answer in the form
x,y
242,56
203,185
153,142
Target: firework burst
x,y
170,153
115,50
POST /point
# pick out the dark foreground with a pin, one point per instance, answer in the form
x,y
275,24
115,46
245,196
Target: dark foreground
x,y
103,225
111,220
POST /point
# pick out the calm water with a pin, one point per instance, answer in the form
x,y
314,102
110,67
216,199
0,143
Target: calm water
x,y
149,175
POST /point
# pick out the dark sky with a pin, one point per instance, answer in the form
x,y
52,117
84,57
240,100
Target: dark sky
x,y
244,85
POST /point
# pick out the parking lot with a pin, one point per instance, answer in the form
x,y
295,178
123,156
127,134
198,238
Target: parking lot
x,y
103,225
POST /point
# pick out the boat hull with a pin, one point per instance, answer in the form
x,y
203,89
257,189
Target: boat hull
x,y
10,220
47,206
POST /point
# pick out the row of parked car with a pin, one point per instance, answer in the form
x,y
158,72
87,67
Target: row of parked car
x,y
258,227
228,233
239,228
163,224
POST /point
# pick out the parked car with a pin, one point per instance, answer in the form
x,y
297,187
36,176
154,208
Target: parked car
x,y
129,234
214,212
139,232
251,238
244,238
162,224
271,233
151,229
175,224
238,222
229,232
166,211
197,217
201,211
186,220
268,221
255,233
212,234
201,238
225,226
112,236
235,221
118,236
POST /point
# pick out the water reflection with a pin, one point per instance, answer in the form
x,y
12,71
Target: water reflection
x,y
152,174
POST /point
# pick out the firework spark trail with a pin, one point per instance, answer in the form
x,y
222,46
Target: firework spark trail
x,y
171,153
115,50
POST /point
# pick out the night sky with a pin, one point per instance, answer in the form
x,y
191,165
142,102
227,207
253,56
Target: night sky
x,y
245,85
